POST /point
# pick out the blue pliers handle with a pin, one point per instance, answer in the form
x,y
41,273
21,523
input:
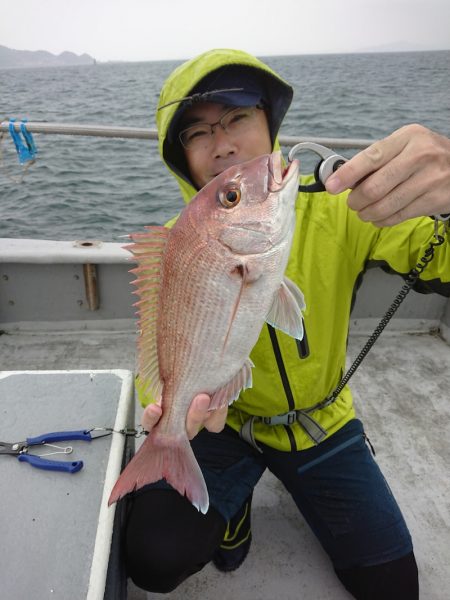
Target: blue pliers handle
x,y
20,449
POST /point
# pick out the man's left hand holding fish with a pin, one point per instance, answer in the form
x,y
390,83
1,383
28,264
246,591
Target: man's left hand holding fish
x,y
199,415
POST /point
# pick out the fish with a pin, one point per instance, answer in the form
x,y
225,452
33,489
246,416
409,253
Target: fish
x,y
206,287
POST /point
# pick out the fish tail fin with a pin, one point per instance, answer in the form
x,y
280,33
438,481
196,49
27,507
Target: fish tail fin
x,y
169,458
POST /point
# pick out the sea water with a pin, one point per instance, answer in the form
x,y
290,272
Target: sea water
x,y
99,188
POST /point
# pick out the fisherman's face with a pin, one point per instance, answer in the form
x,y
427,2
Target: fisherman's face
x,y
224,148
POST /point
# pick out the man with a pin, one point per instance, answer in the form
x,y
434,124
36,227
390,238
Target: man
x,y
223,108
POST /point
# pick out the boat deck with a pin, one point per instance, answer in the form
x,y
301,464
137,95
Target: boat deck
x,y
402,393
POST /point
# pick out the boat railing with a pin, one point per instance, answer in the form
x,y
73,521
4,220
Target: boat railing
x,y
142,133
93,259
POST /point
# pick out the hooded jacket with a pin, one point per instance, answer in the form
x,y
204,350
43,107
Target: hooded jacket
x,y
331,250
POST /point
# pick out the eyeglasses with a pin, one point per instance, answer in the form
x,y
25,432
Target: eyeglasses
x,y
234,122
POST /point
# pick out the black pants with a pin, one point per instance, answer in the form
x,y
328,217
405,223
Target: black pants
x,y
167,540
337,487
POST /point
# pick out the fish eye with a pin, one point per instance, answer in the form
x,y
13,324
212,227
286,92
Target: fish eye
x,y
230,197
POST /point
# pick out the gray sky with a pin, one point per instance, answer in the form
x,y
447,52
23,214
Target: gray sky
x,y
171,29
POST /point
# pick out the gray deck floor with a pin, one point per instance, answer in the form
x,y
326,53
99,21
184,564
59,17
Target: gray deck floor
x,y
402,393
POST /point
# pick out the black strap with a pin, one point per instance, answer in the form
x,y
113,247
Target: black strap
x,y
281,368
313,429
410,281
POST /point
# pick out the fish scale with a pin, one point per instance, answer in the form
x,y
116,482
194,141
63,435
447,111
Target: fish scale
x,y
211,282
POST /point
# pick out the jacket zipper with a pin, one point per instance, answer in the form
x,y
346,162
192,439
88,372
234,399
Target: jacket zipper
x,y
284,381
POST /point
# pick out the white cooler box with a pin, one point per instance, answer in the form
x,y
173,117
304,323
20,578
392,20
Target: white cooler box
x,y
59,539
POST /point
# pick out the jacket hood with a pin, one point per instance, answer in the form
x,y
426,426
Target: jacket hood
x,y
185,79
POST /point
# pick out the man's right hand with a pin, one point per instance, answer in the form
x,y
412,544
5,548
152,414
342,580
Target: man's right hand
x,y
198,416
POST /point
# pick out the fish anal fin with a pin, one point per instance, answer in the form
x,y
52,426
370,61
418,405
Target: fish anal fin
x,y
285,313
228,393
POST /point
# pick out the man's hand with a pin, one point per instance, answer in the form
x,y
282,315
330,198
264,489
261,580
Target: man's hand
x,y
198,416
403,176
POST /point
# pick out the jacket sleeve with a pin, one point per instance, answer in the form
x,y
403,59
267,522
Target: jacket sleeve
x,y
400,248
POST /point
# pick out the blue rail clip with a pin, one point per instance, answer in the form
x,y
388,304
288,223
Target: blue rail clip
x,y
25,151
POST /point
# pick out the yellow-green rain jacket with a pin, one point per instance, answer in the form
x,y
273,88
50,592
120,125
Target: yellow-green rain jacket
x,y
332,247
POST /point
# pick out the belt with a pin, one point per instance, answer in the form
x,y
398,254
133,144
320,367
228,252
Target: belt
x,y
310,426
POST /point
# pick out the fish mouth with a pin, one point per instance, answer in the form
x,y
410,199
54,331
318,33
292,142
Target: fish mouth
x,y
279,176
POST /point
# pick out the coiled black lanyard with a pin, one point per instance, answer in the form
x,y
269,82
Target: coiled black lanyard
x,y
410,281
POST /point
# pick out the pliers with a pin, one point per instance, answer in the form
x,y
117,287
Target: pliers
x,y
20,449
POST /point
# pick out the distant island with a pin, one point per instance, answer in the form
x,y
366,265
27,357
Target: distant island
x,y
10,59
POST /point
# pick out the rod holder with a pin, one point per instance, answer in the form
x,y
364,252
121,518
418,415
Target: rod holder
x,y
91,285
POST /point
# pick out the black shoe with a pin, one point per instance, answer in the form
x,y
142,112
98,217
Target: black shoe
x,y
238,537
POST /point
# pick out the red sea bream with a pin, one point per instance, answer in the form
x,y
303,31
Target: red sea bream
x,y
206,288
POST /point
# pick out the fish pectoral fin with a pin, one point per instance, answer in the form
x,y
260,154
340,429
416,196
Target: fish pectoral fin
x,y
285,313
228,393
296,292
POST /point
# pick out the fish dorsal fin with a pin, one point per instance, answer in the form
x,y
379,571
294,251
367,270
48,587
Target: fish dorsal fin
x,y
286,311
228,393
148,249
